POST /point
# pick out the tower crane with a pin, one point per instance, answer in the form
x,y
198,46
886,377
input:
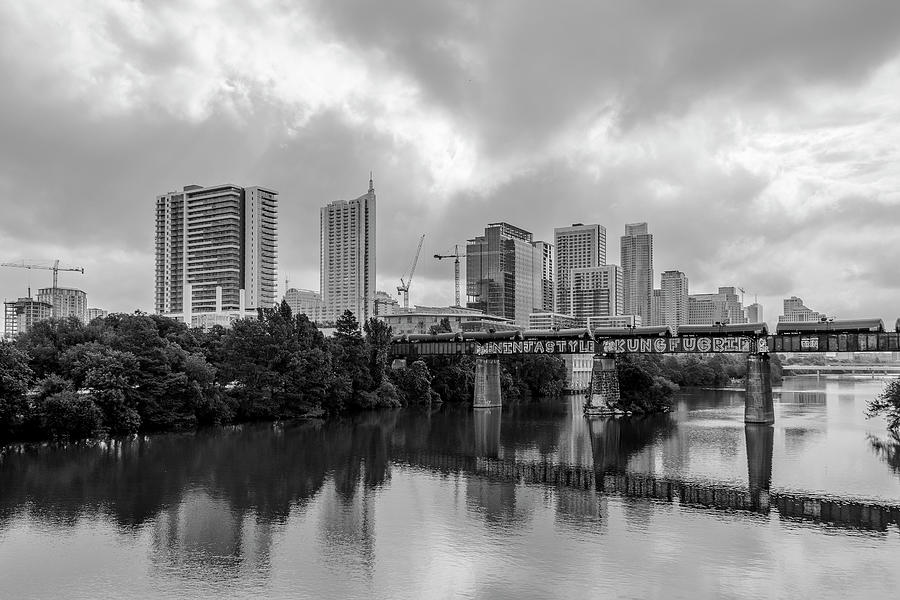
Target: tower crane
x,y
456,256
403,288
22,264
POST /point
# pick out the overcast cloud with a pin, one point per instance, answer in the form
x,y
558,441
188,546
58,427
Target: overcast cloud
x,y
760,140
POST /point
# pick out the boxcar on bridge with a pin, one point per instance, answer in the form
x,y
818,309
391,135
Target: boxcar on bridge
x,y
726,330
649,331
845,326
582,333
856,335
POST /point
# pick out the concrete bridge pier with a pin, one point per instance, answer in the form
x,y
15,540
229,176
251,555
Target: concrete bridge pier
x,y
603,393
760,442
487,382
758,407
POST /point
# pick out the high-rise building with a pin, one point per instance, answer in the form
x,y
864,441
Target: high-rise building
x,y
657,308
385,304
795,311
595,292
542,276
674,286
501,266
96,313
19,315
306,302
66,302
722,307
216,249
614,321
577,247
637,270
551,320
347,254
755,313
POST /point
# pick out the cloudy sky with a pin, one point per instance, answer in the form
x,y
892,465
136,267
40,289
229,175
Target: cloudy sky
x,y
760,140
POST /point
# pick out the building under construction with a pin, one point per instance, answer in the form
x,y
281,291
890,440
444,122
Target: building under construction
x,y
19,315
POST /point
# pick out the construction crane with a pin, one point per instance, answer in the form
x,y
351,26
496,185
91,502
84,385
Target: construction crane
x,y
403,288
22,264
456,255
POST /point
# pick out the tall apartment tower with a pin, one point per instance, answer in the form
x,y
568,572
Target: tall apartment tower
x,y
347,254
577,247
595,292
216,249
674,286
542,276
501,273
637,271
657,308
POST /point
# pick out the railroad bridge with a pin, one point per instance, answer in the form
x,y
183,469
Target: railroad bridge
x,y
606,343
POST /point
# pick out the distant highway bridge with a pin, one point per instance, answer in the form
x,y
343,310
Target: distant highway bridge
x,y
851,369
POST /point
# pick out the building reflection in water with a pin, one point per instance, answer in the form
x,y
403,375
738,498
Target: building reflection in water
x,y
810,391
347,529
574,446
204,538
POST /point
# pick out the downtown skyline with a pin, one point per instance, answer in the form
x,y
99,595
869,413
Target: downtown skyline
x,y
770,166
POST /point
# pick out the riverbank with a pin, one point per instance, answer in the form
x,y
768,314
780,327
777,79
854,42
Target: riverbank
x,y
127,374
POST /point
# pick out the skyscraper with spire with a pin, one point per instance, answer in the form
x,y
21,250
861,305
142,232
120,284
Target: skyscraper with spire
x,y
347,256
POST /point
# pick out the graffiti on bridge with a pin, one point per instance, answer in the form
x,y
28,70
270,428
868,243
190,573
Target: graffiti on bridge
x,y
536,347
660,345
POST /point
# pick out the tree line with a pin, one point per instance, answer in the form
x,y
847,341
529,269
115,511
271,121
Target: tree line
x,y
129,373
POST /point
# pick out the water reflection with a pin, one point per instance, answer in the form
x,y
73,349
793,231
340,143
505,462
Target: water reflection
x,y
804,390
888,451
487,432
760,444
622,443
215,503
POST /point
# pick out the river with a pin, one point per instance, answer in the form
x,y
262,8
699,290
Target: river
x,y
528,501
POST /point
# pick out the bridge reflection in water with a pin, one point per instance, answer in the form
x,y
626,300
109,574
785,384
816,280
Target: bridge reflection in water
x,y
615,445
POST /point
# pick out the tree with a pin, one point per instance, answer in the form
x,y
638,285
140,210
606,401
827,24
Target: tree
x,y
350,360
542,375
640,390
453,378
66,415
15,375
378,337
414,384
46,341
108,378
887,403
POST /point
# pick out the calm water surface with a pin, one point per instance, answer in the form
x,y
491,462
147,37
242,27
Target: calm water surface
x,y
527,501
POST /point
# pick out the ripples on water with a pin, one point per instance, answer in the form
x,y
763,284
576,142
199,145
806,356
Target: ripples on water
x,y
527,501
